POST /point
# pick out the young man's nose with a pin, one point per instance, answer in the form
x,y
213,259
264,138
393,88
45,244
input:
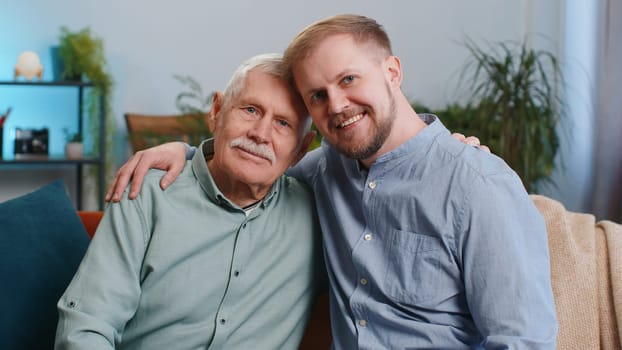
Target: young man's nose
x,y
337,102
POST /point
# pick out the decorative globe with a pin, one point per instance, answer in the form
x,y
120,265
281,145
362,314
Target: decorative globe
x,y
28,65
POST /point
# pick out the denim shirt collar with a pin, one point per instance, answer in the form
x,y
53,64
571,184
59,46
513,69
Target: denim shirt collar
x,y
415,147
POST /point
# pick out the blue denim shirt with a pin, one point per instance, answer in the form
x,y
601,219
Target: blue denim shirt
x,y
437,246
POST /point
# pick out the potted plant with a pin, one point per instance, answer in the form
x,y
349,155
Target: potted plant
x,y
195,104
514,106
82,56
74,148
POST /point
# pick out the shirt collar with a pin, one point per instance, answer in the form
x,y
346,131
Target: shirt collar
x,y
204,153
415,147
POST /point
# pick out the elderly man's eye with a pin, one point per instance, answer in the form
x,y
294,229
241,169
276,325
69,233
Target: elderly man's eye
x,y
251,110
283,123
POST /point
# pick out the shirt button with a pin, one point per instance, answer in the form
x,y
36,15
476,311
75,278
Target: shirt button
x,y
236,273
363,281
244,226
363,323
222,321
367,237
372,184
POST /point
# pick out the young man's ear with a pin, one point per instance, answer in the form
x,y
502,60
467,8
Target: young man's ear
x,y
212,119
393,69
304,146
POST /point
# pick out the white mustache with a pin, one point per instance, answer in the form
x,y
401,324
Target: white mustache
x,y
254,148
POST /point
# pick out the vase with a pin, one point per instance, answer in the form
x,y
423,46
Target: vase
x,y
74,150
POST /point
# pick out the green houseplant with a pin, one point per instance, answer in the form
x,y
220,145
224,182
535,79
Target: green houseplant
x,y
81,56
513,106
193,101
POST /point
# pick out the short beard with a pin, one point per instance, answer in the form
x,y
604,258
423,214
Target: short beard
x,y
379,138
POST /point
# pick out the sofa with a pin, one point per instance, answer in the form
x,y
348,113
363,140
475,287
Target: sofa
x,y
43,238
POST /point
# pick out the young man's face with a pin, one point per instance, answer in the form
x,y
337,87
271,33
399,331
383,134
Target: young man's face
x,y
348,91
257,136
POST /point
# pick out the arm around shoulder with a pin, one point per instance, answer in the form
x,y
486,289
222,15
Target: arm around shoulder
x,y
170,157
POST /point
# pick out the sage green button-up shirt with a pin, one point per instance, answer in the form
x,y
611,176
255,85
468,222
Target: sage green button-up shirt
x,y
187,269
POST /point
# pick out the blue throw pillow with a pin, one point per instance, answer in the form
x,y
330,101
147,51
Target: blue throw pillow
x,y
42,242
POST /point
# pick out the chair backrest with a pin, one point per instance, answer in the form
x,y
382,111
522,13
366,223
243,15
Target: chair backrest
x,y
149,130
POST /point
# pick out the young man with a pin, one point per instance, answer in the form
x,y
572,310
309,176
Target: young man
x,y
210,263
429,243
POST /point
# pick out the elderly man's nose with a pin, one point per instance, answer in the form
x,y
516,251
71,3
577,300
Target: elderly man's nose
x,y
262,130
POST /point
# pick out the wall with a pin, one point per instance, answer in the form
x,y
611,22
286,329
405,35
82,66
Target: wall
x,y
147,42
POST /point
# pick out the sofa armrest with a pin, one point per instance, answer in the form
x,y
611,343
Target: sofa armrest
x,y
90,220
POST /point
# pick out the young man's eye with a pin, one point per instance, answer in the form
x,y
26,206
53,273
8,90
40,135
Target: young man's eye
x,y
348,79
318,96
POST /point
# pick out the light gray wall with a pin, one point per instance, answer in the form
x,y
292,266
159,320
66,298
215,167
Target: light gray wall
x,y
147,42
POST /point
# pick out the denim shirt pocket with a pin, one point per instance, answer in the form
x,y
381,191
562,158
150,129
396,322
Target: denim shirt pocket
x,y
413,267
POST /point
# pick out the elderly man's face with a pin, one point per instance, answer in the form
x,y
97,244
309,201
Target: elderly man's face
x,y
257,134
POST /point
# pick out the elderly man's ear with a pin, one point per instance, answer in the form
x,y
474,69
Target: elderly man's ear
x,y
212,118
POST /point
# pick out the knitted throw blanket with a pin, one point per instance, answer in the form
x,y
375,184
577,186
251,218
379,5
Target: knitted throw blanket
x,y
586,275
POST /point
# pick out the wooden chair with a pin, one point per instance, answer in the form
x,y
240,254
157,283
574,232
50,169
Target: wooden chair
x,y
149,130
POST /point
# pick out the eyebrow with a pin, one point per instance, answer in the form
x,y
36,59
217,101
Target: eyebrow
x,y
345,72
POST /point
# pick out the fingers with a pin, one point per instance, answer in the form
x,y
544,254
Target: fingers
x,y
472,141
169,156
171,175
484,148
110,191
139,171
121,179
458,136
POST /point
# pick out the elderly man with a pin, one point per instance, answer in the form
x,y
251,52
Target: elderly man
x,y
215,262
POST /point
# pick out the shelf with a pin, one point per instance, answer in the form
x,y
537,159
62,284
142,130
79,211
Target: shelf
x,y
32,159
47,161
47,83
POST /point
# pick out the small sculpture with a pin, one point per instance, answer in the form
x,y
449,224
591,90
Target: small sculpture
x,y
28,65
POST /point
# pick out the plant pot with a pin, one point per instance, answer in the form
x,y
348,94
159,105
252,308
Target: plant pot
x,y
74,150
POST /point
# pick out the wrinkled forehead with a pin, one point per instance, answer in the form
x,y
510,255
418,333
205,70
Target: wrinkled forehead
x,y
271,90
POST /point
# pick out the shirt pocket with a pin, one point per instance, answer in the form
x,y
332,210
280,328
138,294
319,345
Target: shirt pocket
x,y
413,267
